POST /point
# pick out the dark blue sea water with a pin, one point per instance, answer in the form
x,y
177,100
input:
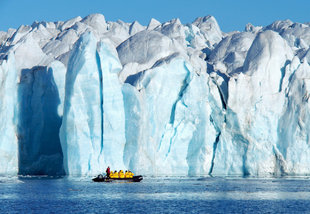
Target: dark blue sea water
x,y
155,195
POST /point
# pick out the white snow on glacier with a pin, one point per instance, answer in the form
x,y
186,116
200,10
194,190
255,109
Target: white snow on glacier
x,y
163,99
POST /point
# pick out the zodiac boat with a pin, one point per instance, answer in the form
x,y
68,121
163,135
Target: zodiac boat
x,y
101,178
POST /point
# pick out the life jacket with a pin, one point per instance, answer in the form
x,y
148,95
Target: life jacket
x,y
115,175
121,174
111,174
127,175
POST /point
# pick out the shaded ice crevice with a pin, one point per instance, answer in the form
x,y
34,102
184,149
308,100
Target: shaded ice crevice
x,y
101,101
214,147
181,92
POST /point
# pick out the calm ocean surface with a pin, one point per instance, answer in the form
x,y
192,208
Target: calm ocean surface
x,y
156,195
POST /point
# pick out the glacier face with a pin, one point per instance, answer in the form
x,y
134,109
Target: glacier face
x,y
162,99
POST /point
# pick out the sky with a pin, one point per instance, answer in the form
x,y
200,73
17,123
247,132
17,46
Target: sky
x,y
231,15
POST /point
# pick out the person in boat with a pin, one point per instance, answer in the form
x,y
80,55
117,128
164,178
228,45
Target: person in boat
x,y
108,172
128,174
131,174
115,174
121,174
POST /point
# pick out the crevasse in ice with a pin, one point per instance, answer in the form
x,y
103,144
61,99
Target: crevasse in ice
x,y
163,99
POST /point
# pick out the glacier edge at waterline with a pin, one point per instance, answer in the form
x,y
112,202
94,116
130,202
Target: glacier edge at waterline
x,y
162,99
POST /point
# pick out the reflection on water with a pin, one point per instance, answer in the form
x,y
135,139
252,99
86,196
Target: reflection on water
x,y
159,195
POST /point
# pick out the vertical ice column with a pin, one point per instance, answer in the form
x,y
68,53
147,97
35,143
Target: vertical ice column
x,y
81,130
59,72
113,118
188,141
8,103
294,125
201,107
160,88
133,129
178,131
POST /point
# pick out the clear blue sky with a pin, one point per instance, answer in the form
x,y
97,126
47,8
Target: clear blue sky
x,y
230,14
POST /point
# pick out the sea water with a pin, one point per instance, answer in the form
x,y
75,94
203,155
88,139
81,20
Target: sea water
x,y
155,195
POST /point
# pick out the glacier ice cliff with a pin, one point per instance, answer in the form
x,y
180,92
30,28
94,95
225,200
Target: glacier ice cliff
x,y
163,99
8,113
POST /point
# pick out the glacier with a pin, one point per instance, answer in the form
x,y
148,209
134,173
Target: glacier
x,y
162,99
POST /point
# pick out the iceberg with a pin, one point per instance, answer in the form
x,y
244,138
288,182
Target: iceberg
x,y
163,99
